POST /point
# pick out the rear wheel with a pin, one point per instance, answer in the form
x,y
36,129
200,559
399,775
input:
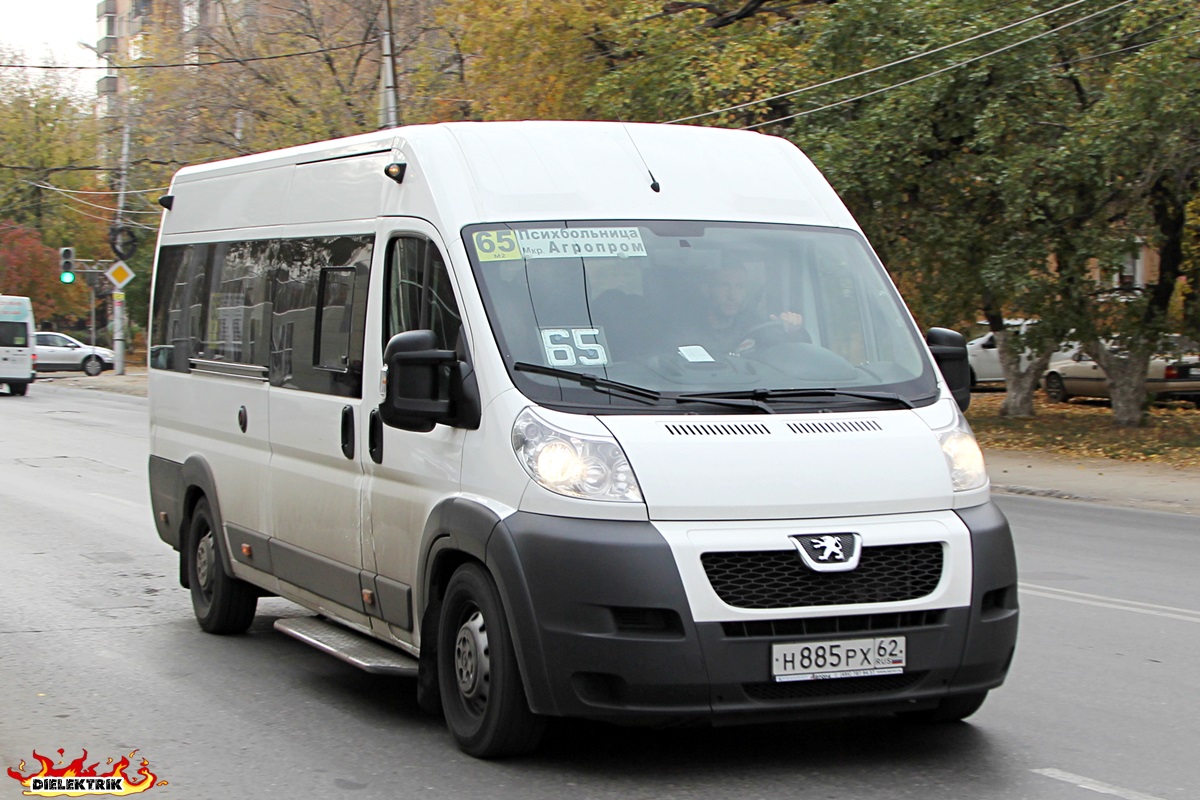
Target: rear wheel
x,y
223,604
478,677
18,389
951,709
93,366
1056,390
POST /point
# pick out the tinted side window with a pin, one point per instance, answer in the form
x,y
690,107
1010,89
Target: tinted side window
x,y
240,303
179,296
318,315
14,334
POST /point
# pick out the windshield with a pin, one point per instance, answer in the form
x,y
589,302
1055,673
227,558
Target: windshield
x,y
694,313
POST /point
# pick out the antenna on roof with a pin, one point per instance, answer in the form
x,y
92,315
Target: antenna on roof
x,y
653,182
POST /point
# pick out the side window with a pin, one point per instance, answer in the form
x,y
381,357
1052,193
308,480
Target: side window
x,y
239,303
318,317
13,334
179,291
335,317
419,292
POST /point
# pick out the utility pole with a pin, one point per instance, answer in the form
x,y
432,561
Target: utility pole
x,y
391,86
118,220
122,247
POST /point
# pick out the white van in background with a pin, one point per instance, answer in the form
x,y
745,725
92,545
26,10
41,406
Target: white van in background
x,y
18,356
578,419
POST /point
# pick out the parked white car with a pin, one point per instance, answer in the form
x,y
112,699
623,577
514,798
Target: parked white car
x,y
57,351
1073,373
983,354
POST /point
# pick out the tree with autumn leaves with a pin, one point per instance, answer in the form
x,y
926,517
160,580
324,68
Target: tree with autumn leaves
x,y
1007,160
48,157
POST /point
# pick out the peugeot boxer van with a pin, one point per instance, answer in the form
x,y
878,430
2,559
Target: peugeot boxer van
x,y
18,354
572,419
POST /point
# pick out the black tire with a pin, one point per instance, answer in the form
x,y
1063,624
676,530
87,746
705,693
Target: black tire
x,y
951,709
222,604
429,697
478,677
92,366
1056,390
18,389
974,380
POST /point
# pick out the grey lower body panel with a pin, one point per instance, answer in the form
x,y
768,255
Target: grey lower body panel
x,y
166,498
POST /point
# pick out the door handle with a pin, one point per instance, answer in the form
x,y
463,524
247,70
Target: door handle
x,y
348,431
375,436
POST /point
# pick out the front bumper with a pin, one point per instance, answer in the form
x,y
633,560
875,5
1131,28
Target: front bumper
x,y
603,630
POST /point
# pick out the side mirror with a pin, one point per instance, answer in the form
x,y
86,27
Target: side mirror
x,y
949,350
989,343
427,386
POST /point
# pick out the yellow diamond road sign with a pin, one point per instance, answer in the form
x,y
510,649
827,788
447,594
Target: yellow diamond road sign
x,y
119,274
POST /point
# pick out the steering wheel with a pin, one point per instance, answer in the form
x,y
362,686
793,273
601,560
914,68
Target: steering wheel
x,y
770,325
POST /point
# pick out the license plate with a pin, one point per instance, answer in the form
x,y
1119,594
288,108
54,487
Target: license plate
x,y
846,658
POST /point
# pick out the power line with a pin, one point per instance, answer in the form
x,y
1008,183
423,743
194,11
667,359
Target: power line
x,y
877,69
198,63
80,191
109,208
939,71
103,219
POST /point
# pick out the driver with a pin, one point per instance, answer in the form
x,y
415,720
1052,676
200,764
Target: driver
x,y
728,326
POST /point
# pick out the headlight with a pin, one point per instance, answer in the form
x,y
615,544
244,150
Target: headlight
x,y
963,456
573,464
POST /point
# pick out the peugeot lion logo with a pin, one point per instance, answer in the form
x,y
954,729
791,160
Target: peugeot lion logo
x,y
829,552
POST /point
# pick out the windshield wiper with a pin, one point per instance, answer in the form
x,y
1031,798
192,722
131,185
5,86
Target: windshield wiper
x,y
762,395
603,385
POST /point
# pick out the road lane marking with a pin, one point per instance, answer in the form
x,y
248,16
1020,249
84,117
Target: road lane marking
x,y
121,500
1094,785
1101,601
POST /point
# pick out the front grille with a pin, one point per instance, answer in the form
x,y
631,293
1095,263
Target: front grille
x,y
800,690
779,579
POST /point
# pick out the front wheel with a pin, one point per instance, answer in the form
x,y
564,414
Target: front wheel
x,y
223,604
478,676
1056,390
951,709
93,366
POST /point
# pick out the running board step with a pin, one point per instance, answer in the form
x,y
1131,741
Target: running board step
x,y
353,648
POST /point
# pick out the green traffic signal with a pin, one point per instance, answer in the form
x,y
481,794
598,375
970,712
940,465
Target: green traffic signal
x,y
66,264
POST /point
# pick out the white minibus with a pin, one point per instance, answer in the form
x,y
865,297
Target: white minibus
x,y
18,350
611,421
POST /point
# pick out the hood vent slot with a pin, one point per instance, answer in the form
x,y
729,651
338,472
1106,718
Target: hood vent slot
x,y
717,429
845,426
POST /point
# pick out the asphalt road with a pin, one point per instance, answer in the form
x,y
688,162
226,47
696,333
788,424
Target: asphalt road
x,y
99,651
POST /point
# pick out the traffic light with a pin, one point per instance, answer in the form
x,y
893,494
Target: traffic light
x,y
66,264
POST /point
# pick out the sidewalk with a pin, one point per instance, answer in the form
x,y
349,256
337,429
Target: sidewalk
x,y
133,382
1098,480
1095,480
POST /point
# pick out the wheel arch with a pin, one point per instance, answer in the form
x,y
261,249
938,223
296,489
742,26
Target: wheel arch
x,y
460,530
199,484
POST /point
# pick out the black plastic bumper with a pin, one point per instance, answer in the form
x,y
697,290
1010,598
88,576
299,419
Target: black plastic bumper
x,y
604,631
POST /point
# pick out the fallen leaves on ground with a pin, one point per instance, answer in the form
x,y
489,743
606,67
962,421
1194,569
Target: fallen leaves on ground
x,y
1170,434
